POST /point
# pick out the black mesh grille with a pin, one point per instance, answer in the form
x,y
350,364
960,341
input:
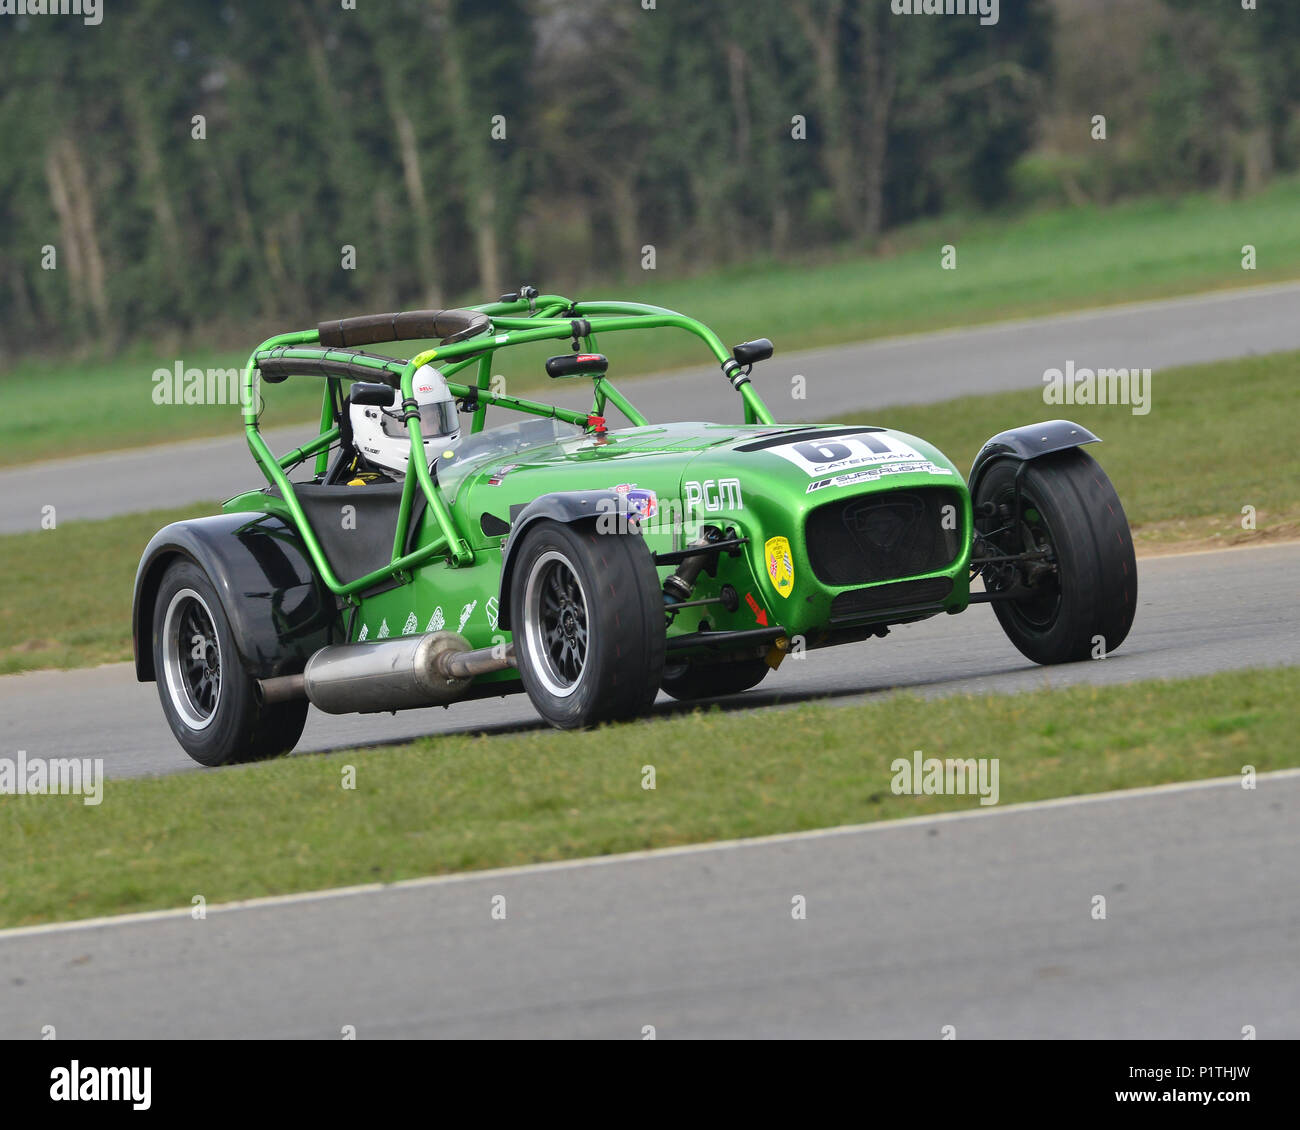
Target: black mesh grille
x,y
901,594
878,537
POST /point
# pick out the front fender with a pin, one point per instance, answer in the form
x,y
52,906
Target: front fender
x,y
562,506
1029,442
279,609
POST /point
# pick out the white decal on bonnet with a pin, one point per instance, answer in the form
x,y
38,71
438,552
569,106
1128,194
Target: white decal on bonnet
x,y
841,453
722,494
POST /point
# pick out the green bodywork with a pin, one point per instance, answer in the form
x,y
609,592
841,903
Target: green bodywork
x,y
451,578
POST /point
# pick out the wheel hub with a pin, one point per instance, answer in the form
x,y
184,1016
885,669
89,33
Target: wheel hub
x,y
555,623
191,659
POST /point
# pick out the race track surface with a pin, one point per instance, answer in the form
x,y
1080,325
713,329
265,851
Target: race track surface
x,y
1197,613
982,922
907,370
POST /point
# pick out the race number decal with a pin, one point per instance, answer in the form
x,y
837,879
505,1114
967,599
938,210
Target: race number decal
x,y
830,456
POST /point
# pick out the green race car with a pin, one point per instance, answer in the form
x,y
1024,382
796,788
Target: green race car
x,y
414,562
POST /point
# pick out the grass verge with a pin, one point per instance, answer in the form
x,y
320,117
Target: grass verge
x,y
459,803
1007,267
1219,437
67,593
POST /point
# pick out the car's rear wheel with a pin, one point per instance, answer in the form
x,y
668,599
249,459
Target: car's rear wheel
x,y
690,681
588,623
209,700
1078,587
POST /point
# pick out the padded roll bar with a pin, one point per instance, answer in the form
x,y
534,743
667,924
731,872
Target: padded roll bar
x,y
412,325
275,368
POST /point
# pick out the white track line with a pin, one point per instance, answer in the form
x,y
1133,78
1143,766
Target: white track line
x,y
653,853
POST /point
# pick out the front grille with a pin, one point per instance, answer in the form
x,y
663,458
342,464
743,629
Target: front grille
x,y
878,537
901,594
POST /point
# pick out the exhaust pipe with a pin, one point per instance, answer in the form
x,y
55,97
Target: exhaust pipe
x,y
395,674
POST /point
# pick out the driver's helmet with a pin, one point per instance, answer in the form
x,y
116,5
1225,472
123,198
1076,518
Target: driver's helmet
x,y
380,434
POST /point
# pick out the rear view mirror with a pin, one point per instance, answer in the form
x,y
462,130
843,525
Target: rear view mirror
x,y
577,365
748,352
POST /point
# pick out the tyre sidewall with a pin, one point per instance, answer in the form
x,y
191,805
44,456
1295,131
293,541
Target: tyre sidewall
x,y
622,666
1094,553
227,735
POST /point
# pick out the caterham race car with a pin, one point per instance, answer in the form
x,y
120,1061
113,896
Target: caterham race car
x,y
414,561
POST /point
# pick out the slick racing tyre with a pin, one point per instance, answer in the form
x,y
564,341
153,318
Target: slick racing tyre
x,y
687,682
209,700
588,623
1080,594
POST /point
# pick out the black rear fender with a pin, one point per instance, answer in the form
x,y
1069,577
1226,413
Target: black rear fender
x,y
279,609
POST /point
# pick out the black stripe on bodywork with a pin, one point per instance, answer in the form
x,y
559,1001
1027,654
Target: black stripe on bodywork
x,y
808,434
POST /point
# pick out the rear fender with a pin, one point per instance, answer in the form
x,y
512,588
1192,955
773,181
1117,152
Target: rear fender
x,y
279,609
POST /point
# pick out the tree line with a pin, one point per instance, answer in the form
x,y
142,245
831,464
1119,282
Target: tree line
x,y
197,167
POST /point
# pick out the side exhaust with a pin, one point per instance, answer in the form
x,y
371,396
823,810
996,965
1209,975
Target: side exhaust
x,y
395,674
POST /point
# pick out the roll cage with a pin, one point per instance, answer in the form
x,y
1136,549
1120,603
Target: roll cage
x,y
469,337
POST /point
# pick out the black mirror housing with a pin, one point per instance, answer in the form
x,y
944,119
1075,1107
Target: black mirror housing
x,y
750,352
577,365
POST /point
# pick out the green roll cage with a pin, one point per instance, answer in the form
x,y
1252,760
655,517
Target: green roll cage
x,y
516,321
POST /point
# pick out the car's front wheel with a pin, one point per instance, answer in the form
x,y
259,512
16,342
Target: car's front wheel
x,y
588,623
1073,590
210,702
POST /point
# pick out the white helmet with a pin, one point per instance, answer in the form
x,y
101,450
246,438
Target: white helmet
x,y
380,434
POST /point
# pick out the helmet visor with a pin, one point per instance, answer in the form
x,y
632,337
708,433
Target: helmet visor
x,y
438,418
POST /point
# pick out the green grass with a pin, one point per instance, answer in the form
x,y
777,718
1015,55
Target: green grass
x,y
1218,437
67,594
1047,262
459,803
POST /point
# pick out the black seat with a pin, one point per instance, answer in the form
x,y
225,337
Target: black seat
x,y
359,541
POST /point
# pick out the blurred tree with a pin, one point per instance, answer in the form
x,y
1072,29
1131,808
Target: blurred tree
x,y
1227,95
198,167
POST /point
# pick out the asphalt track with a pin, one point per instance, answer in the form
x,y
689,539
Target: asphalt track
x,y
1197,613
907,370
983,922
